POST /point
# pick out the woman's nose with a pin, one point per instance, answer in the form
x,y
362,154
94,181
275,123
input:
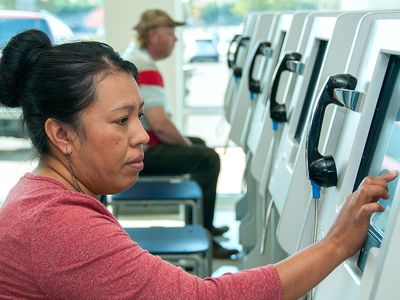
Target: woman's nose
x,y
144,136
138,134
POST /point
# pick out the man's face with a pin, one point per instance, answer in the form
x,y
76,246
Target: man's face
x,y
162,39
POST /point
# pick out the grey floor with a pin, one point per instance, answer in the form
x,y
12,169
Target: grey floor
x,y
225,215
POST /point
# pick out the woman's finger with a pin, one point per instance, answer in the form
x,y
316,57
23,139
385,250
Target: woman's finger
x,y
380,180
371,193
368,209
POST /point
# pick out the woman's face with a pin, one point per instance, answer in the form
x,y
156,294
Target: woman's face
x,y
108,156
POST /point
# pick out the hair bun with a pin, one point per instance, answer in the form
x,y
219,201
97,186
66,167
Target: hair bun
x,y
18,58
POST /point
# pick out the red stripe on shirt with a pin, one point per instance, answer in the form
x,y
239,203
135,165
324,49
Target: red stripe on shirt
x,y
150,77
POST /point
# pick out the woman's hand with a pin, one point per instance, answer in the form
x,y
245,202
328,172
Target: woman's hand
x,y
351,225
302,271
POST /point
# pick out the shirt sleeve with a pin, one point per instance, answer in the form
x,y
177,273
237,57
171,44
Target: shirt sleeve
x,y
153,96
151,85
79,251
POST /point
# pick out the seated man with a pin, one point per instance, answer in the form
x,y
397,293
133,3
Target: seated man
x,y
168,151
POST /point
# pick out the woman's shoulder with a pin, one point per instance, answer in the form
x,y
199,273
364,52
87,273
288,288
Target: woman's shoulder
x,y
54,210
43,197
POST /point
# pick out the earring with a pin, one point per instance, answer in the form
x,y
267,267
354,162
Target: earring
x,y
75,183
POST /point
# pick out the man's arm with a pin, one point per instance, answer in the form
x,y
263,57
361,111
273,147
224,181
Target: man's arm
x,y
163,127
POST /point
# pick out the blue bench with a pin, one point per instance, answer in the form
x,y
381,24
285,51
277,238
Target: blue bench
x,y
188,246
187,193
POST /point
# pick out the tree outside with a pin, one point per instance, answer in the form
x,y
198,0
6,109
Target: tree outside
x,y
54,6
231,12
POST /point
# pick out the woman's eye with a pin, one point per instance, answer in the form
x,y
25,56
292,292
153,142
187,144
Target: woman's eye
x,y
122,121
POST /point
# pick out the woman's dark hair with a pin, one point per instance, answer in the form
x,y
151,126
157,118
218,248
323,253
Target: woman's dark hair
x,y
54,81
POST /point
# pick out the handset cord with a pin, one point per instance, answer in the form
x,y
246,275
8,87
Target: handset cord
x,y
316,189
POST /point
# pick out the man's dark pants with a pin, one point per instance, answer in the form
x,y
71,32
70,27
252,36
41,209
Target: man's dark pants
x,y
201,162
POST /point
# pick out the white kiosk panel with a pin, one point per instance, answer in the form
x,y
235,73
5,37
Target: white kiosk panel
x,y
242,97
346,136
238,55
296,212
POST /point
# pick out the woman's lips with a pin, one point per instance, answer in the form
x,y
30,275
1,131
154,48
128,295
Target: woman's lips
x,y
136,164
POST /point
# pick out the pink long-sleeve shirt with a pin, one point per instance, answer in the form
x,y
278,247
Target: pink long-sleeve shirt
x,y
59,244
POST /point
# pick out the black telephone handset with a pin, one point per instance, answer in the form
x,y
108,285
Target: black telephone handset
x,y
322,169
289,63
231,52
242,41
264,49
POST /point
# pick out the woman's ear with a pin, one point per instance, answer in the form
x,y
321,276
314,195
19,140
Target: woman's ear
x,y
60,136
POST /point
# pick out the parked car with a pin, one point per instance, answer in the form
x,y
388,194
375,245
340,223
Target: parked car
x,y
13,22
201,47
205,50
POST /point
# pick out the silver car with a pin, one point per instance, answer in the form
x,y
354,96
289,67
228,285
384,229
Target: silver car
x,y
13,22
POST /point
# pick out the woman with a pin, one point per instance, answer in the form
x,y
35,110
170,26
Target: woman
x,y
82,109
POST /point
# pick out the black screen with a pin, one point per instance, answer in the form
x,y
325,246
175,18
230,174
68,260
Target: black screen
x,y
310,89
391,155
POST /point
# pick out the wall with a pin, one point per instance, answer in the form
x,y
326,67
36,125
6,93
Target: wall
x,y
122,15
